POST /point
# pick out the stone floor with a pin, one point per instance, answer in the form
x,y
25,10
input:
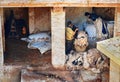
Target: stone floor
x,y
38,68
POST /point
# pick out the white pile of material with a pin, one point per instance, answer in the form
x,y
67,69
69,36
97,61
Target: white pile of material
x,y
39,37
42,46
91,60
41,41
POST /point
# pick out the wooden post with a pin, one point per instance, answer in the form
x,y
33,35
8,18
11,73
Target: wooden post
x,y
1,43
117,22
114,72
58,36
31,20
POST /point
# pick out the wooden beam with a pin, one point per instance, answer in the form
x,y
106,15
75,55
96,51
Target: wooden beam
x,y
59,4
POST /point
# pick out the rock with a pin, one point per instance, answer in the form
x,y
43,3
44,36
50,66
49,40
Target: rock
x,y
89,76
105,76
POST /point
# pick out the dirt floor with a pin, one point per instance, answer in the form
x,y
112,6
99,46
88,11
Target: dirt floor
x,y
38,68
17,53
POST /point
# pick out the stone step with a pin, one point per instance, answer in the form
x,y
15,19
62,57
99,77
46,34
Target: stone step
x,y
41,74
45,76
36,75
11,73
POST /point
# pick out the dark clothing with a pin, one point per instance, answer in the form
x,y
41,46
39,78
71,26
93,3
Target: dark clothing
x,y
104,29
74,28
69,46
93,16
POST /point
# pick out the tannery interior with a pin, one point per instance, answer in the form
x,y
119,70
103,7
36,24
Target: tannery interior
x,y
59,41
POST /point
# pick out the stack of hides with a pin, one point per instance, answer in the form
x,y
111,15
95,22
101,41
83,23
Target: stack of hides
x,y
41,41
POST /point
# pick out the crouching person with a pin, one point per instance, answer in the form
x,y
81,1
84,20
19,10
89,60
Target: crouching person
x,y
69,37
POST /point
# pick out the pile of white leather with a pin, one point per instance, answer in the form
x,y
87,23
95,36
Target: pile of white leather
x,y
40,41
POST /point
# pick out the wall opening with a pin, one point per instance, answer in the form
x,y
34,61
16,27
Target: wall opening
x,y
77,17
81,51
19,39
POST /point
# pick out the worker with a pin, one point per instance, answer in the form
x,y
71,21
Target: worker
x,y
70,37
101,28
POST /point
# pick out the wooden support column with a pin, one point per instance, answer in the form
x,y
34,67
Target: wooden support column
x,y
117,22
31,20
1,43
58,36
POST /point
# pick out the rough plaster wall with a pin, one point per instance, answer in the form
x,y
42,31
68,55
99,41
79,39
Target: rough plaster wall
x,y
43,19
77,14
105,13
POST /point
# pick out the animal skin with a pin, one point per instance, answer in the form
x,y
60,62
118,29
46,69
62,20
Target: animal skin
x,y
81,43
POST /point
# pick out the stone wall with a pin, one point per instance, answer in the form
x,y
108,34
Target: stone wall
x,y
42,19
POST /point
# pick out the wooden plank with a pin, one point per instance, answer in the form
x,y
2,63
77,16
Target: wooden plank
x,y
111,48
114,72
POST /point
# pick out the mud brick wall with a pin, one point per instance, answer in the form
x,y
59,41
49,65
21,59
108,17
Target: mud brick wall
x,y
39,18
76,14
42,19
106,13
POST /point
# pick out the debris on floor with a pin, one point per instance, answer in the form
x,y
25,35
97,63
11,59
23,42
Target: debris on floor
x,y
17,53
91,60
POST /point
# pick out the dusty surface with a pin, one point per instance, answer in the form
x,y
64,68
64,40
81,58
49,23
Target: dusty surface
x,y
17,53
33,75
11,74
